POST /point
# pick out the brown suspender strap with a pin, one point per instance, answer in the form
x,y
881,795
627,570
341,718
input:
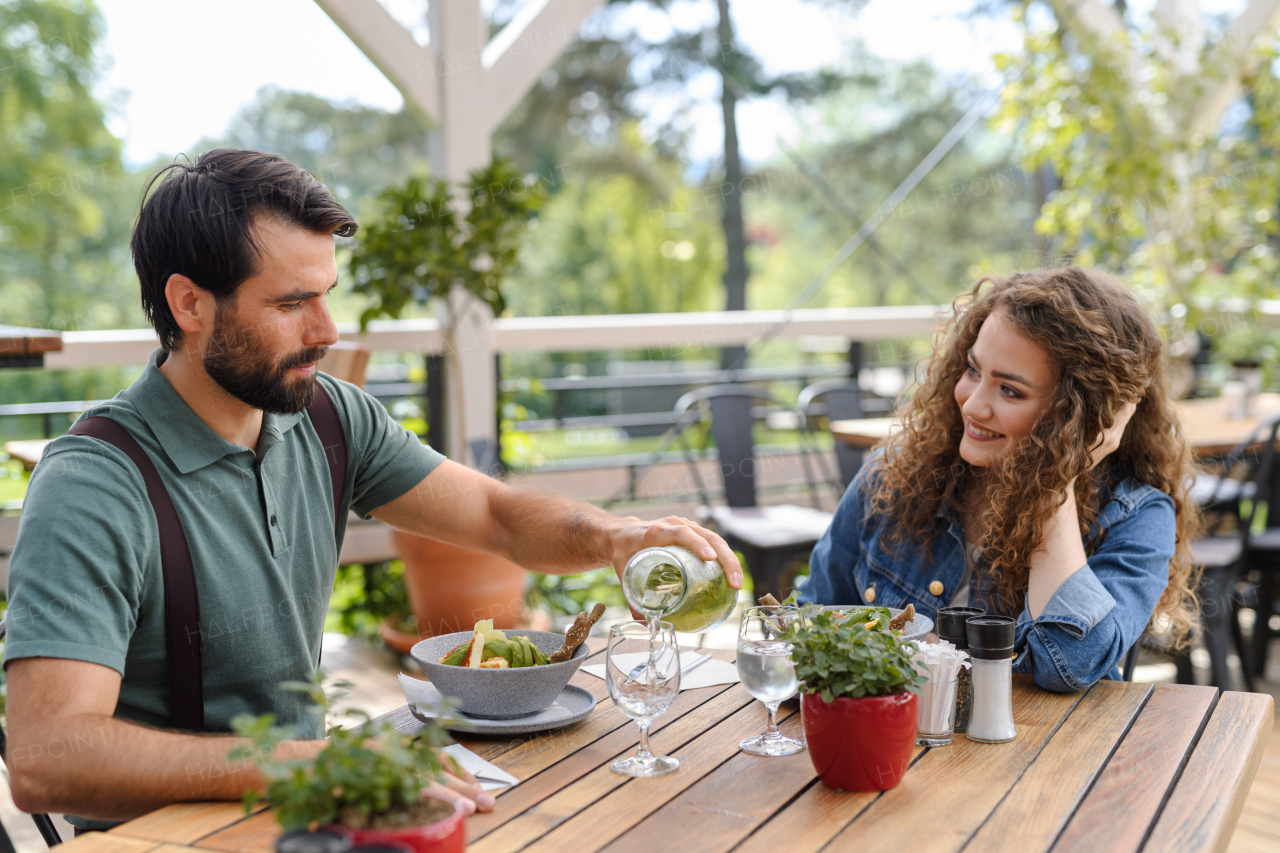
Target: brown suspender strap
x,y
324,417
181,601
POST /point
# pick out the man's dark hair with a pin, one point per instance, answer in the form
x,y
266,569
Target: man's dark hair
x,y
198,223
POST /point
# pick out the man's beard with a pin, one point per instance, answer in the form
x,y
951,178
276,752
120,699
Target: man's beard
x,y
243,368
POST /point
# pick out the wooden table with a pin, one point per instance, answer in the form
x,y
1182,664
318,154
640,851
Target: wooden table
x,y
1209,430
1089,772
21,347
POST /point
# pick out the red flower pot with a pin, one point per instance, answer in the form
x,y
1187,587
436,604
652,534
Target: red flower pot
x,y
443,836
860,744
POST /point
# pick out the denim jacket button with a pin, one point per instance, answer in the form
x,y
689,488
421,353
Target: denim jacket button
x,y
870,595
936,588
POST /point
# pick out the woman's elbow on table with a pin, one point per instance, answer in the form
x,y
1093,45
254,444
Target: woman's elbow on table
x,y
1063,664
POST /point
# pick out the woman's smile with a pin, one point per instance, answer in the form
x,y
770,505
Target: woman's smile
x,y
977,433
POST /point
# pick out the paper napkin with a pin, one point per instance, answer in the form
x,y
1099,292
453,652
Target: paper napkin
x,y
479,767
707,674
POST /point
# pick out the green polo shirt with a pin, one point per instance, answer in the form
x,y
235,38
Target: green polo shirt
x,y
85,581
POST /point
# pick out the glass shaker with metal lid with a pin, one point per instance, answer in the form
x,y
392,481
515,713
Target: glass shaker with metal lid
x,y
674,584
951,628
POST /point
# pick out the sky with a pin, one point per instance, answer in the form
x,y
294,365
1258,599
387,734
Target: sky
x,y
180,69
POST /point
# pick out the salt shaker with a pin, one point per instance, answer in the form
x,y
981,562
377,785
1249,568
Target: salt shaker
x,y
991,650
951,629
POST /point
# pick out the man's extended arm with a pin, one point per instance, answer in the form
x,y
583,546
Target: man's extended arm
x,y
540,531
66,753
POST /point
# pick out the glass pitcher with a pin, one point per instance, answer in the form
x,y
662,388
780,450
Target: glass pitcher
x,y
674,584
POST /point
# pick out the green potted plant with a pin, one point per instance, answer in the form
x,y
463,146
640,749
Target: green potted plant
x,y
424,245
367,780
858,700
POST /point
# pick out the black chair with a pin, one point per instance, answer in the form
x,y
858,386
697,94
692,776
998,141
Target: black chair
x,y
837,401
43,821
771,538
1246,475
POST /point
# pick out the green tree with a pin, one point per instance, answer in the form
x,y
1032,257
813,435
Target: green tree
x,y
971,215
355,150
59,167
1181,213
603,244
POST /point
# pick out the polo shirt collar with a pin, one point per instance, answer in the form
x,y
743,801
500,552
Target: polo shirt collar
x,y
188,441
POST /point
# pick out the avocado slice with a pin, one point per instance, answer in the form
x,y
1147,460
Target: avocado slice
x,y
496,648
457,655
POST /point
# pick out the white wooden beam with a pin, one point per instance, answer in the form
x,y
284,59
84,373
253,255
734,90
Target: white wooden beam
x,y
1259,20
527,46
409,66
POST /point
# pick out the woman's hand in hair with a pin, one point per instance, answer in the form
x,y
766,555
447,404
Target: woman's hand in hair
x,y
1112,435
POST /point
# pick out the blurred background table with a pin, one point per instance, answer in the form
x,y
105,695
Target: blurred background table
x,y
1209,430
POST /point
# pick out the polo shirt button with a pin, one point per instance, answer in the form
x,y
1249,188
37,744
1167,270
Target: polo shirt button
x,y
935,587
273,521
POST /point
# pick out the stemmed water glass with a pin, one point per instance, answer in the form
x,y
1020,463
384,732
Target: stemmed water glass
x,y
642,669
766,670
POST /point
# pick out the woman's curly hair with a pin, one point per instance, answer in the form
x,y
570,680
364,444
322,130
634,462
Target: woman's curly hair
x,y
1108,352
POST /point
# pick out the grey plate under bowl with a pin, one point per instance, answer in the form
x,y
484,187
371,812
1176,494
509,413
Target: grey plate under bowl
x,y
498,694
917,629
576,702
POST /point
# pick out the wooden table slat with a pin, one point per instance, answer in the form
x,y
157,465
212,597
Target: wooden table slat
x,y
105,842
257,834
726,805
608,817
1203,808
814,818
1140,772
1042,802
558,806
961,783
563,770
183,823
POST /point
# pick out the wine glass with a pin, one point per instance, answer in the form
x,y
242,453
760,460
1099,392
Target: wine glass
x,y
642,669
766,670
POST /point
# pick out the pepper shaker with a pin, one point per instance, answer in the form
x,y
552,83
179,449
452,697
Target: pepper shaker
x,y
951,629
991,650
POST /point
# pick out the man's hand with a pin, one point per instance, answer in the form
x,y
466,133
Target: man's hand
x,y
459,786
632,535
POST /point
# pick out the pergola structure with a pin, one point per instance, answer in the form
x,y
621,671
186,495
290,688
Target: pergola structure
x,y
464,84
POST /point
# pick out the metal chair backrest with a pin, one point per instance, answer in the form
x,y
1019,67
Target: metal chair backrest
x,y
730,406
1257,453
839,401
43,822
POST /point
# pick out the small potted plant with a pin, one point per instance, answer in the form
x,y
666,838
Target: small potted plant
x,y
367,781
423,245
858,699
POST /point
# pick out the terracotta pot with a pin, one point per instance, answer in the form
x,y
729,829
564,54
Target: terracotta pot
x,y
860,744
443,836
394,637
452,588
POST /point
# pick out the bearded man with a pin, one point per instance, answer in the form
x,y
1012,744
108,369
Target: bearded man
x,y
235,256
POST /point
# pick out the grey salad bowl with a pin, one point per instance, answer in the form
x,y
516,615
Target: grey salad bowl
x,y
498,694
917,629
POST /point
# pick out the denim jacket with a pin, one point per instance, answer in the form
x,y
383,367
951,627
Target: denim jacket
x,y
1086,627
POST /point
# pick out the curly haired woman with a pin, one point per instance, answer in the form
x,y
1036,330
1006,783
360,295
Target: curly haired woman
x,y
1040,472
